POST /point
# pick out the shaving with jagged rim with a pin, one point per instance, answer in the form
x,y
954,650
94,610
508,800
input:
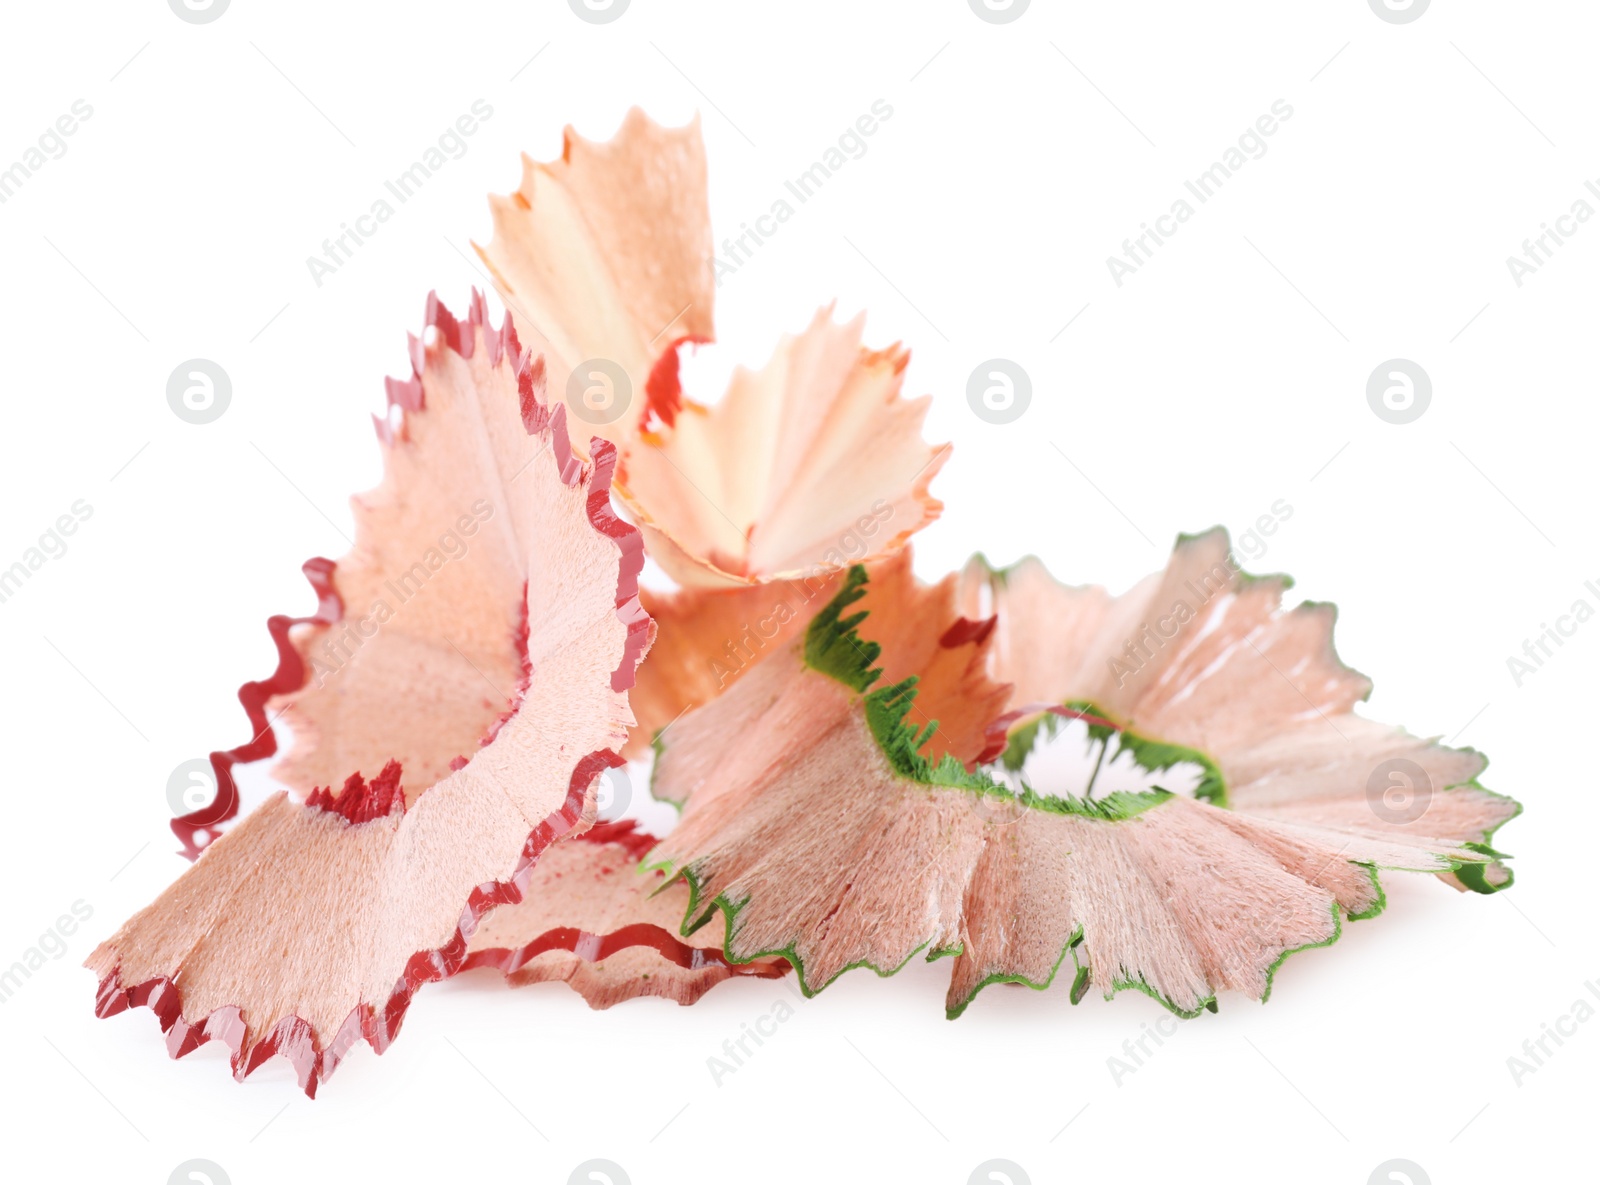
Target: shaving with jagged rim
x,y
1170,787
310,925
832,821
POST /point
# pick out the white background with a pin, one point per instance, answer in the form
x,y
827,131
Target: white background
x,y
1228,373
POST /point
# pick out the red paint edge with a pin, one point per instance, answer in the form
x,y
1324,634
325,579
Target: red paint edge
x,y
593,948
202,827
663,389
291,1036
967,632
1005,722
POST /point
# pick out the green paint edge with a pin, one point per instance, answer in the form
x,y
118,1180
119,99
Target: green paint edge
x,y
834,648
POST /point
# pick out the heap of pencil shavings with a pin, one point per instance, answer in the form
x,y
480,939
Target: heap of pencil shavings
x,y
1169,786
